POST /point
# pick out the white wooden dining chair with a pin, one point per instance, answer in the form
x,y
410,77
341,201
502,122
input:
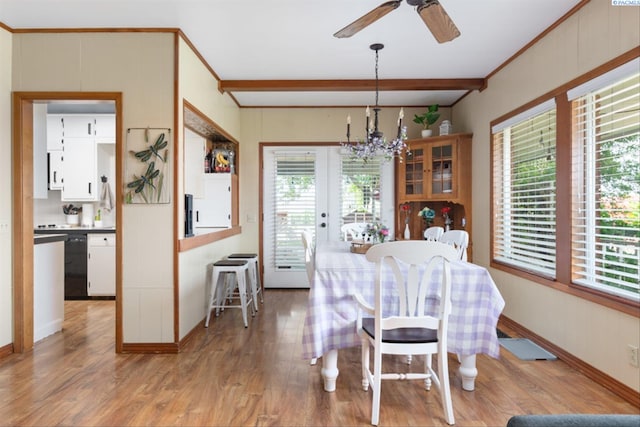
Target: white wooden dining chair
x,y
458,239
353,230
309,254
309,262
433,233
410,330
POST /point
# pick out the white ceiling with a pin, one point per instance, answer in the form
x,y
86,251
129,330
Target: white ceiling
x,y
293,40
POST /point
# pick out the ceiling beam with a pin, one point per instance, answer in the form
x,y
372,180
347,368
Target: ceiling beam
x,y
349,85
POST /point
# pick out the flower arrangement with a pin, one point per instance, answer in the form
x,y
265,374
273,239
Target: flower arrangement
x,y
377,231
445,214
406,208
427,214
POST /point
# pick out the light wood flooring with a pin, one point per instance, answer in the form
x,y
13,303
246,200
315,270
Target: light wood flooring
x,y
231,376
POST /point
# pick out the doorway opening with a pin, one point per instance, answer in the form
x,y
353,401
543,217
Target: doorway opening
x,y
25,105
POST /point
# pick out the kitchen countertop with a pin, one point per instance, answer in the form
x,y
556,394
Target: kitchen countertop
x,y
74,230
49,238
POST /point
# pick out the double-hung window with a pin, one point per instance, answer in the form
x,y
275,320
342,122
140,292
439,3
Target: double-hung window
x,y
598,150
606,182
524,190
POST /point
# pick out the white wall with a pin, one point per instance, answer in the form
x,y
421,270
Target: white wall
x,y
6,195
591,332
140,65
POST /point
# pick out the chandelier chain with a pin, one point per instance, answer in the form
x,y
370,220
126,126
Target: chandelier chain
x,y
375,144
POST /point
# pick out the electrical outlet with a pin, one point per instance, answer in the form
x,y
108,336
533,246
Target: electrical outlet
x,y
633,355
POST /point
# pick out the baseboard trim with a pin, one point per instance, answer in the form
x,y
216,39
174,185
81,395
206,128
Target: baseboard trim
x,y
183,342
153,348
611,384
6,350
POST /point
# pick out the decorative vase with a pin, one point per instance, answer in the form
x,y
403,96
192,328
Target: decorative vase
x,y
407,232
426,133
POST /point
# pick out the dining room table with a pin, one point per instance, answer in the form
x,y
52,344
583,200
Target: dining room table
x,y
330,321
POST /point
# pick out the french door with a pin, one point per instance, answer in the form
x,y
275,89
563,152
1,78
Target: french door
x,y
315,188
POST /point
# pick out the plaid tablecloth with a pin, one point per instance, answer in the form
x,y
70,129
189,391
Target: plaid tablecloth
x,y
330,323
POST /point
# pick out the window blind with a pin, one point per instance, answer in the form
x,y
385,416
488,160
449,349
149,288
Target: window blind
x,y
524,193
606,186
360,190
294,207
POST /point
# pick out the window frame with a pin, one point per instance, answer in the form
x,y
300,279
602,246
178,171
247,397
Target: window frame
x,y
562,282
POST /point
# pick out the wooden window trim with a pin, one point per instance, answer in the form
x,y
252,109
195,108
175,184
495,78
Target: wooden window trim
x,y
564,144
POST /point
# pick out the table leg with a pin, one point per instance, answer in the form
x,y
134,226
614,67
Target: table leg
x,y
468,371
330,370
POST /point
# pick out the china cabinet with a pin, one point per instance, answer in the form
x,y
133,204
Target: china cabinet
x,y
435,172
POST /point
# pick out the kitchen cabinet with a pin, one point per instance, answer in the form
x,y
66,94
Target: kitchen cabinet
x,y
214,209
105,128
55,132
101,264
78,126
79,164
435,172
55,153
72,141
55,169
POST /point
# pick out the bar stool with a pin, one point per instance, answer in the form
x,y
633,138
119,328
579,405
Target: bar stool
x,y
256,285
219,294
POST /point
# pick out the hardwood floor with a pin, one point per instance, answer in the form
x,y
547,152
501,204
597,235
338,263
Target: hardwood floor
x,y
231,376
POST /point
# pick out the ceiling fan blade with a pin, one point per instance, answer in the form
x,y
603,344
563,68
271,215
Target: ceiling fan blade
x,y
367,19
438,21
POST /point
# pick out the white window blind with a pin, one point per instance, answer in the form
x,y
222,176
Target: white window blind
x,y
606,186
294,207
524,192
360,190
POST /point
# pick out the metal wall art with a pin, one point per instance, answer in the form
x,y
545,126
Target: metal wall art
x,y
147,166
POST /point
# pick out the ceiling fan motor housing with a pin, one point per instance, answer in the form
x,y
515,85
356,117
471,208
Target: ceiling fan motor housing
x,y
421,2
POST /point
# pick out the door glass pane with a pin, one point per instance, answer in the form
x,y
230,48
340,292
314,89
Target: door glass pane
x,y
294,207
360,191
441,166
413,171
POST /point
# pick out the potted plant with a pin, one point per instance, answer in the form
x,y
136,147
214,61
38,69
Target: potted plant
x,y
427,119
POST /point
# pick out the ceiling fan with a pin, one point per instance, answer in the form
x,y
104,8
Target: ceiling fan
x,y
431,12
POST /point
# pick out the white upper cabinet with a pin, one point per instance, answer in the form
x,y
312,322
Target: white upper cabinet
x,y
80,176
79,126
55,132
105,129
72,144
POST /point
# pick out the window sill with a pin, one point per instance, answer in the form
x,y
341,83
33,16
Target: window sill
x,y
631,308
193,242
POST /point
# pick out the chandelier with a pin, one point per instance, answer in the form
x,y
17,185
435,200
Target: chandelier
x,y
375,144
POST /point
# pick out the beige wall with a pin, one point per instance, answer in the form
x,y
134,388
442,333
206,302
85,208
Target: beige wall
x,y
200,88
596,34
6,258
140,66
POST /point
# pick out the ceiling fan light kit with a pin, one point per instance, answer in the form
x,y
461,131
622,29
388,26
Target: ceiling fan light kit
x,y
375,144
431,12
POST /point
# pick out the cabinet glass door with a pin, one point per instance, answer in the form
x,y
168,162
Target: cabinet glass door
x,y
414,172
442,169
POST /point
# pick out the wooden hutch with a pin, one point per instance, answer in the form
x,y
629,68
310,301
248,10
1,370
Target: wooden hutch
x,y
435,172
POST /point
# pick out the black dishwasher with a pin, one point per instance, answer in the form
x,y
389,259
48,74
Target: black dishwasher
x,y
75,267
